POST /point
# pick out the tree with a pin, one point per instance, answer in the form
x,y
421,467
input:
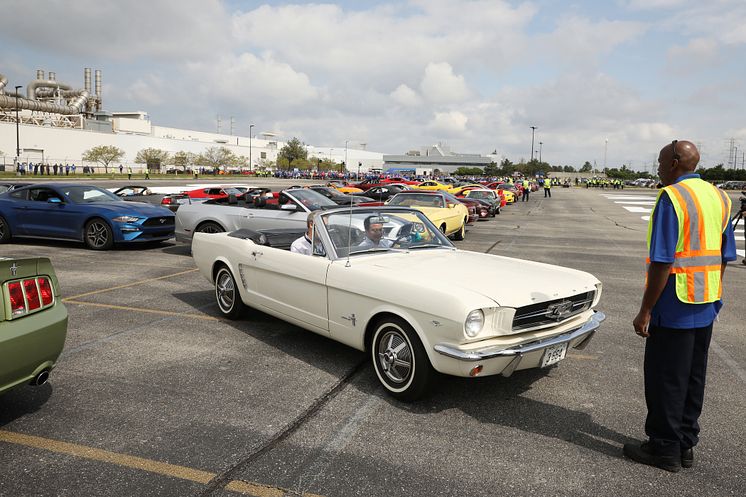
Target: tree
x,y
104,155
152,155
183,159
586,168
214,157
568,169
293,150
491,170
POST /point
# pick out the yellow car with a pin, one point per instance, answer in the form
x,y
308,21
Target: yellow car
x,y
458,190
448,216
509,196
343,187
432,185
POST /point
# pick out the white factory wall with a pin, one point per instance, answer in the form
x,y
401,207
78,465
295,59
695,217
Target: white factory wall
x,y
63,145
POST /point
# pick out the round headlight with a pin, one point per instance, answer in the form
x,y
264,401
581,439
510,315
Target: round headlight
x,y
474,323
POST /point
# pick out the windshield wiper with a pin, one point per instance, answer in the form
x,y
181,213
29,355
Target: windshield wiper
x,y
369,250
427,245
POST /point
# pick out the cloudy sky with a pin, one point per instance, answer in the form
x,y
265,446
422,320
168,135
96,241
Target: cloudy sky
x,y
399,75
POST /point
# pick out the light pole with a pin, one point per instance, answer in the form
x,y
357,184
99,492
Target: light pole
x,y
606,149
18,136
533,129
345,164
540,144
250,127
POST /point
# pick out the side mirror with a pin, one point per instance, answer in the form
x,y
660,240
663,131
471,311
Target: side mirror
x,y
54,200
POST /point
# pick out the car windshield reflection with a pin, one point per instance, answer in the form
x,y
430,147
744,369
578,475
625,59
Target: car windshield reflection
x,y
365,231
89,194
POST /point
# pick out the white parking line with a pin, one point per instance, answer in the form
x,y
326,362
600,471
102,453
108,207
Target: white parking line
x,y
634,208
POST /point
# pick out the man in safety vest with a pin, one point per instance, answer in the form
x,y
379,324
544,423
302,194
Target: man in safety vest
x,y
690,241
526,190
547,188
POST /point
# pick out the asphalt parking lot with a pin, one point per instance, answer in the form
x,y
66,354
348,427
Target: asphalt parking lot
x,y
156,395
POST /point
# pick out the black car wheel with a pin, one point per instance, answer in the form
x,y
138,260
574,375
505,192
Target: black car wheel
x,y
209,227
461,234
227,295
4,231
400,361
98,235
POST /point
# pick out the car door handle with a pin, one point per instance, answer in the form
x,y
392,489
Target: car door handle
x,y
256,253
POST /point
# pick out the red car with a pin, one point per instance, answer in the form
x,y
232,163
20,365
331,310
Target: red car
x,y
213,192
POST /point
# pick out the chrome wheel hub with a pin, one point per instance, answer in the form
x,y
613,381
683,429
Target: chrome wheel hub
x,y
395,357
225,292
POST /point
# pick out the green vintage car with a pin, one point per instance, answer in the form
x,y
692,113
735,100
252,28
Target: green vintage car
x,y
33,321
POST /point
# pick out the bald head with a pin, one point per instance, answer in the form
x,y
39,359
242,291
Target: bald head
x,y
676,159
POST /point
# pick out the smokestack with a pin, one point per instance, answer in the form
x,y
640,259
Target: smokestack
x,y
87,79
98,89
52,76
39,74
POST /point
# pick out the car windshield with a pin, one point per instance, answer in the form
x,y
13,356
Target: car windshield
x,y
360,231
417,200
88,194
310,199
331,191
481,194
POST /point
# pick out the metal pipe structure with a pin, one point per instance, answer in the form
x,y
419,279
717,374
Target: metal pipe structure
x,y
3,82
31,88
97,75
74,107
87,79
52,76
39,74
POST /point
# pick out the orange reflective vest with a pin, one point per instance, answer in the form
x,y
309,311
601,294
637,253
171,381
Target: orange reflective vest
x,y
703,213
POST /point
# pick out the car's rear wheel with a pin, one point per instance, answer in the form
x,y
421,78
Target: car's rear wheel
x,y
443,228
227,294
461,234
98,235
399,360
209,227
4,230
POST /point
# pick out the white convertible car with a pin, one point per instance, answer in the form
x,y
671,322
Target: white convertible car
x,y
376,282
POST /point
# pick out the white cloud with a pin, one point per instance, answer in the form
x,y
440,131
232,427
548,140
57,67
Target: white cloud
x,y
440,86
404,95
453,122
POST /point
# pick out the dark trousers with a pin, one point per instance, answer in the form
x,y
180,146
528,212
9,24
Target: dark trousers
x,y
547,193
524,196
675,370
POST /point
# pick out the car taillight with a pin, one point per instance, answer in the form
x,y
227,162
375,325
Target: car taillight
x,y
45,290
32,294
165,200
17,302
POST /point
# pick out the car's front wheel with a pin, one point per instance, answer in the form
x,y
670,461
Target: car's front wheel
x,y
461,234
399,359
227,295
209,227
4,230
98,235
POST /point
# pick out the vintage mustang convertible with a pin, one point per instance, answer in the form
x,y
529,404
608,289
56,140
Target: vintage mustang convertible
x,y
374,283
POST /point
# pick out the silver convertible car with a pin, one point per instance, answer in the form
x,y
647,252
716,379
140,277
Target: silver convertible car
x,y
374,281
289,210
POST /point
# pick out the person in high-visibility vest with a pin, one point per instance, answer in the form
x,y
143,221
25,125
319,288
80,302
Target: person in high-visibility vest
x,y
690,241
526,190
547,188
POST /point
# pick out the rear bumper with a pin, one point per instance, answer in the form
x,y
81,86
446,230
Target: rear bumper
x,y
502,360
31,344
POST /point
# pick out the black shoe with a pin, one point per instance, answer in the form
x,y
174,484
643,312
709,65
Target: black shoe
x,y
643,454
687,458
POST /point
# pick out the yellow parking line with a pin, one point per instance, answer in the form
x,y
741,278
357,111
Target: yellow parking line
x,y
140,463
73,297
142,309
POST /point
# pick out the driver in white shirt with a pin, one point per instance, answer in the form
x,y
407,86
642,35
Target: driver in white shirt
x,y
303,244
374,234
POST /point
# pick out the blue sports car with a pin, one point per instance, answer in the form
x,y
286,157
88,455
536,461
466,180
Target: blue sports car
x,y
81,212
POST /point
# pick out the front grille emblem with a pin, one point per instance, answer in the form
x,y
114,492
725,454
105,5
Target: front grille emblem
x,y
162,220
559,310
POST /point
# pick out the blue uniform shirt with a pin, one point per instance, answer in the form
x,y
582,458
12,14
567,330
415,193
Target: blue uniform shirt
x,y
669,311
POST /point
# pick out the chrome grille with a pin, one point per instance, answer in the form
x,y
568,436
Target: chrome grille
x,y
552,311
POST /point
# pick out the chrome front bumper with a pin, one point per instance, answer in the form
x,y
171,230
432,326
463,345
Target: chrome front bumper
x,y
582,335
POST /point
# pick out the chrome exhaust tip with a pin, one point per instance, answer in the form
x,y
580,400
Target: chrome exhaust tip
x,y
41,378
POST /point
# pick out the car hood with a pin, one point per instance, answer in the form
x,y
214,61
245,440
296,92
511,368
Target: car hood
x,y
507,281
135,208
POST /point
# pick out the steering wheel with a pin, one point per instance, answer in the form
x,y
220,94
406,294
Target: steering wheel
x,y
404,238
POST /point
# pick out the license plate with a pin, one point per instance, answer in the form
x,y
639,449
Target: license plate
x,y
553,354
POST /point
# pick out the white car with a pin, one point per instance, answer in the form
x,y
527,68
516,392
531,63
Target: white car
x,y
411,300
